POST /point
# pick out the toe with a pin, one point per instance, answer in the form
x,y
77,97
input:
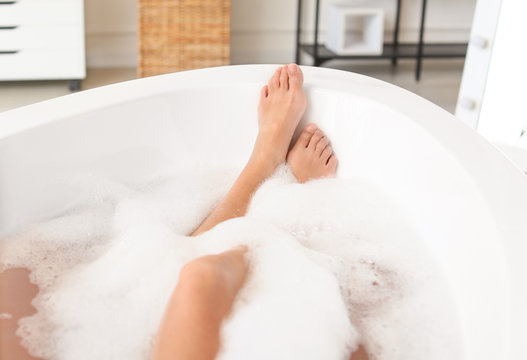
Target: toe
x,y
317,135
296,78
264,93
332,164
274,83
284,79
306,135
324,156
322,145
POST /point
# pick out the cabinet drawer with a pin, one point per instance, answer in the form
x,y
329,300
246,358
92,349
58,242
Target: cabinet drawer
x,y
41,37
40,64
32,12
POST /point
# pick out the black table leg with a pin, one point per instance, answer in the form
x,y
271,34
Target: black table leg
x,y
298,31
315,50
420,45
396,32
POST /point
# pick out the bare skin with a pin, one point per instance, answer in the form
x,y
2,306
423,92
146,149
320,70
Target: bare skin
x,y
16,293
203,297
282,104
312,156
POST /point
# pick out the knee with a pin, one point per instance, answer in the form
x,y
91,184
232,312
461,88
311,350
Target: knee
x,y
201,273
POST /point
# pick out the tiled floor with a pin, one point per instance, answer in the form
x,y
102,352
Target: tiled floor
x,y
439,83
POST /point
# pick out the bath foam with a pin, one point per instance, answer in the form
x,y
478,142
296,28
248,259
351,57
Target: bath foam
x,y
290,307
333,263
84,243
394,295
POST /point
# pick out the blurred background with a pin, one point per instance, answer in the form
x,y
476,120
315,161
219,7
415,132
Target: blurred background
x,y
260,32
439,49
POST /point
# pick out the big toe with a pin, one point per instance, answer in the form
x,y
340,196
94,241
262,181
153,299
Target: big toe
x,y
296,78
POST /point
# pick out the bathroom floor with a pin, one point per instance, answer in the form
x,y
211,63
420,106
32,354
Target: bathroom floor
x,y
439,83
19,93
440,79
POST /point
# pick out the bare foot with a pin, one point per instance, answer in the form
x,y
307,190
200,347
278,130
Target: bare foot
x,y
282,104
312,156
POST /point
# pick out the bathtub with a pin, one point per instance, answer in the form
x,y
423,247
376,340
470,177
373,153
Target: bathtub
x,y
466,200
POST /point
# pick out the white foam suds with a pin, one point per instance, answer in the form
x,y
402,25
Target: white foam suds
x,y
333,264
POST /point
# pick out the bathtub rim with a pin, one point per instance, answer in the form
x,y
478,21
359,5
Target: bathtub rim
x,y
19,119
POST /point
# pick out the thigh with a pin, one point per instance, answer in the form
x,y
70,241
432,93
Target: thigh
x,y
16,294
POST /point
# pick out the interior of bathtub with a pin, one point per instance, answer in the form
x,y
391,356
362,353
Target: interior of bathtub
x,y
403,252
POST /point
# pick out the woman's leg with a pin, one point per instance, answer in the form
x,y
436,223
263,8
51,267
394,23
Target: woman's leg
x,y
282,104
203,297
16,294
312,158
207,286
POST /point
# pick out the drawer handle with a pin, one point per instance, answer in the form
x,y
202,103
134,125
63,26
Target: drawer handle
x,y
8,27
8,2
10,52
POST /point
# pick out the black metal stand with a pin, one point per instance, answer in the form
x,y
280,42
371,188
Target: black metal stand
x,y
420,46
396,31
315,55
393,51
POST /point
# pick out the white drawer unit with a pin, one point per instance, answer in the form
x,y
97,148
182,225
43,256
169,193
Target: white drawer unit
x,y
42,40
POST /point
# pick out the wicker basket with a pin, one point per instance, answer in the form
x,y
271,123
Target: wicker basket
x,y
179,35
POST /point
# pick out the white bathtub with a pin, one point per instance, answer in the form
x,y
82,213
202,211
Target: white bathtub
x,y
468,202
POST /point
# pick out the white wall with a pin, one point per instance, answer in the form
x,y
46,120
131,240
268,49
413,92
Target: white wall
x,y
263,31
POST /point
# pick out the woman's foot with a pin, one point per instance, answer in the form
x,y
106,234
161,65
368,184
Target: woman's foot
x,y
282,104
312,156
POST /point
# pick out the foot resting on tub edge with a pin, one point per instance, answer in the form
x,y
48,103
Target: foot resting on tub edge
x,y
282,105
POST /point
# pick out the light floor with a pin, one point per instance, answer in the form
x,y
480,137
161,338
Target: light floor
x,y
14,94
439,82
440,79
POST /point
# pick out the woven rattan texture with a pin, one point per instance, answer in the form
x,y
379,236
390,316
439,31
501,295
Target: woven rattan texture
x,y
177,35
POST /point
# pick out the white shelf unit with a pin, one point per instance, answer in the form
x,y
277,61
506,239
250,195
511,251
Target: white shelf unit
x,y
42,40
355,31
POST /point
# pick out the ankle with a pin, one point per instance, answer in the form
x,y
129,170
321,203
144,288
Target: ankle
x,y
261,166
